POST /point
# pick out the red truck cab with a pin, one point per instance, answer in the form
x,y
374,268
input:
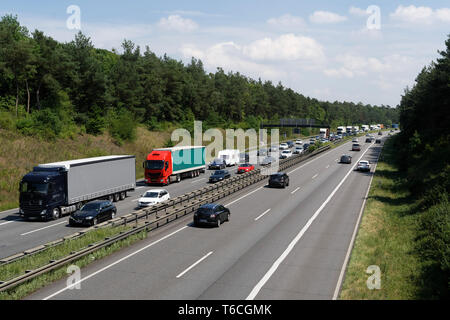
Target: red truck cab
x,y
158,167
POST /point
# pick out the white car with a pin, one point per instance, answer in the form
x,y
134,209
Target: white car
x,y
284,146
286,154
355,140
152,197
363,165
299,150
299,142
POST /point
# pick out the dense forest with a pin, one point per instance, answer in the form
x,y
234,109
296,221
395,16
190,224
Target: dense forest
x,y
48,87
423,155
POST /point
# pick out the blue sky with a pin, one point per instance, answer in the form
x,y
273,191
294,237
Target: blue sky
x,y
322,49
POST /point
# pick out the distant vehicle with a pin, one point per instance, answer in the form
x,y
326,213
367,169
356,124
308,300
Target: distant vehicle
x,y
299,150
298,142
274,148
153,197
284,146
230,156
262,152
306,146
279,179
244,157
268,160
355,140
369,140
55,189
219,175
166,165
93,212
380,133
356,147
323,140
211,213
290,144
285,154
363,165
378,141
217,164
346,158
246,167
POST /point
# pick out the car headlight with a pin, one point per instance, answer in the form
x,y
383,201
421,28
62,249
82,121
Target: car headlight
x,y
89,218
20,211
212,216
43,212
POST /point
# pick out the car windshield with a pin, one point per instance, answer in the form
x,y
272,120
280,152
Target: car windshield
x,y
286,151
90,206
356,145
154,164
217,161
150,194
34,187
246,165
363,163
218,172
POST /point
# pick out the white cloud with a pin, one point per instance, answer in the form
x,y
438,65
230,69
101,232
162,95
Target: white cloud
x,y
286,47
413,14
326,17
420,15
287,21
443,14
358,12
177,23
354,65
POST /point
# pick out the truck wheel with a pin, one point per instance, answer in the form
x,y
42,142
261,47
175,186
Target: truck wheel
x,y
116,197
110,198
178,178
56,214
123,196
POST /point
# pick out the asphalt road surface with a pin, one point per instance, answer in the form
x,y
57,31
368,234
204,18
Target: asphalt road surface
x,y
279,244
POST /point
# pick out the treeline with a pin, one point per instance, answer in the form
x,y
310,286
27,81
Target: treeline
x,y
77,85
423,154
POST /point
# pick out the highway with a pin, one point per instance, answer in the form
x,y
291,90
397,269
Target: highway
x,y
279,244
17,235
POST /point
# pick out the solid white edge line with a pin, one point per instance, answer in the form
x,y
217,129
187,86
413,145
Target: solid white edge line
x,y
261,215
315,176
194,264
53,225
114,263
297,238
355,232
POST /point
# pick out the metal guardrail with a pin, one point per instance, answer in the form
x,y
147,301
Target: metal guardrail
x,y
163,214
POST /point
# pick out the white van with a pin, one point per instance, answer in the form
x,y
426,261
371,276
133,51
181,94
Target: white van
x,y
230,156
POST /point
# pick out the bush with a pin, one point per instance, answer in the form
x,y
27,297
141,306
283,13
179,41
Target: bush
x,y
122,126
44,123
434,249
7,120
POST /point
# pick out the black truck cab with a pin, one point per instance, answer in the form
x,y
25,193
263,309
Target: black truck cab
x,y
42,192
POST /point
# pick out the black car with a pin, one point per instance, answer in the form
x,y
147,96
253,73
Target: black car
x,y
93,212
211,213
346,159
219,175
378,141
217,164
279,179
369,140
290,144
306,146
380,133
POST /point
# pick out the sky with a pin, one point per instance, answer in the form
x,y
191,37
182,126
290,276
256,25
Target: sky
x,y
360,51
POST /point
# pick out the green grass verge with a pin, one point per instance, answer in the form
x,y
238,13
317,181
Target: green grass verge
x,y
386,238
19,267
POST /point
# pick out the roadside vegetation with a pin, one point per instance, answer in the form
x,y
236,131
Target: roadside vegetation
x,y
406,225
